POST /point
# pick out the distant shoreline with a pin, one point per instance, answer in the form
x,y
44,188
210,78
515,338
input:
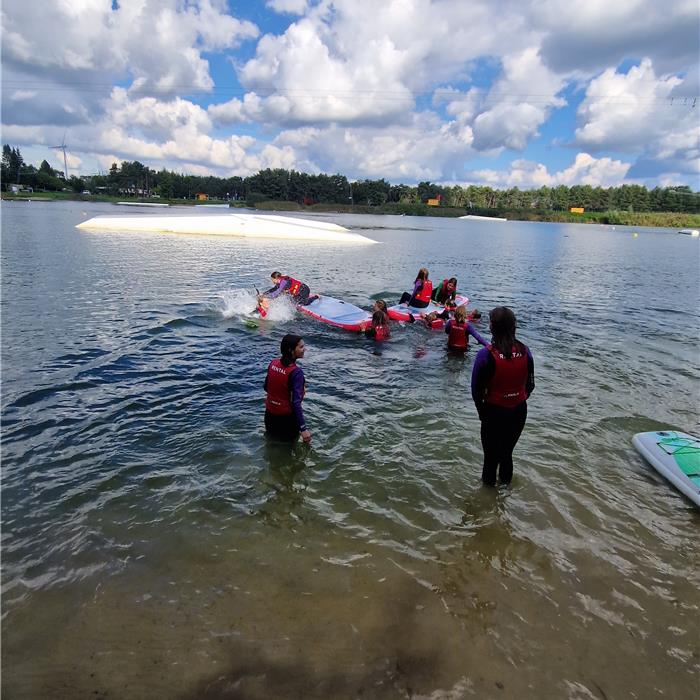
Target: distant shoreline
x,y
672,220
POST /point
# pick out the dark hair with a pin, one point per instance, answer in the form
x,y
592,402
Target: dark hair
x,y
275,275
453,280
503,329
288,346
422,274
382,305
380,318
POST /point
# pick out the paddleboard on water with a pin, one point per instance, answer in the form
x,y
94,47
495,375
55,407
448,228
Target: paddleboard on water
x,y
337,313
676,456
402,312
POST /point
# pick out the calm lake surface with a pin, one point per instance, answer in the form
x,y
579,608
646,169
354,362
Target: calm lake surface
x,y
154,545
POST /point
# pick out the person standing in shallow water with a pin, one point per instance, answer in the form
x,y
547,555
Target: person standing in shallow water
x,y
286,386
503,377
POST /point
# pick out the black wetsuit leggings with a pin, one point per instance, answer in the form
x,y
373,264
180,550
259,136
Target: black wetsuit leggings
x,y
500,430
412,301
284,427
302,296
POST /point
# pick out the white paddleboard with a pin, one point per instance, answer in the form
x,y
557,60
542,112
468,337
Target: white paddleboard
x,y
403,312
338,313
676,456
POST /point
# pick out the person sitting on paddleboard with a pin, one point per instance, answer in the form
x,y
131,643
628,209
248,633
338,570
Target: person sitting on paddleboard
x,y
503,377
284,284
446,292
458,331
285,386
422,289
379,330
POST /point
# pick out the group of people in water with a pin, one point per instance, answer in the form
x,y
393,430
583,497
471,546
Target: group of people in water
x,y
503,375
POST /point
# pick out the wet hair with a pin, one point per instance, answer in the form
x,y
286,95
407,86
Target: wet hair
x,y
460,314
422,274
453,280
288,346
380,318
503,329
275,275
476,314
382,305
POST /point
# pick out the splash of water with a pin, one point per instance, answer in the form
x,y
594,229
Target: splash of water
x,y
234,303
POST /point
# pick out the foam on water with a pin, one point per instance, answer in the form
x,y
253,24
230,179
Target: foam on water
x,y
243,303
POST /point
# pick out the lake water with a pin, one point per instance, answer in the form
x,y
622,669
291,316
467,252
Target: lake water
x,y
154,545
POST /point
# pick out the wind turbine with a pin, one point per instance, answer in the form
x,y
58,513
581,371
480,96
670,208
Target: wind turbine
x,y
62,147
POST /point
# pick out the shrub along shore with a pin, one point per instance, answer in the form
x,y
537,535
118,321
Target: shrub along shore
x,y
615,218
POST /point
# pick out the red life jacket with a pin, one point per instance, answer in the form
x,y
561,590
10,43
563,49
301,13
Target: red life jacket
x,y
458,338
382,332
279,394
425,291
507,386
294,285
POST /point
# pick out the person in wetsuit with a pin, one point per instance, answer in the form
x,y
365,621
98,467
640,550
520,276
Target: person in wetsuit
x,y
458,331
285,387
422,289
503,377
446,292
284,284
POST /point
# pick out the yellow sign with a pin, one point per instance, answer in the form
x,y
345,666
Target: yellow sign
x,y
433,202
576,210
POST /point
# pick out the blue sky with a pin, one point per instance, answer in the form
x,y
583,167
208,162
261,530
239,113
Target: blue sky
x,y
496,92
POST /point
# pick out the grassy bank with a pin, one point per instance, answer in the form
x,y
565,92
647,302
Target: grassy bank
x,y
616,218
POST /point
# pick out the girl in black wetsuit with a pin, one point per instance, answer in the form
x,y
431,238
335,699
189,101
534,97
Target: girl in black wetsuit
x,y
285,387
503,378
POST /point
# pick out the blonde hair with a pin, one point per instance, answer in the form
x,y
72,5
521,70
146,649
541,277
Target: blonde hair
x,y
460,314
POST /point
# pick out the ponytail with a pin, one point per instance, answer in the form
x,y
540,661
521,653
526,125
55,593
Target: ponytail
x,y
503,330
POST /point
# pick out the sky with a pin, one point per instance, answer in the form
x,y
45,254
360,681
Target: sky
x,y
505,93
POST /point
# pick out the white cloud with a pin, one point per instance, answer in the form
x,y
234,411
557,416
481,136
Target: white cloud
x,y
349,84
635,112
523,98
586,36
294,7
158,42
156,118
585,170
424,149
344,64
623,110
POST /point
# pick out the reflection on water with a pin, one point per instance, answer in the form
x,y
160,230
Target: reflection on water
x,y
155,543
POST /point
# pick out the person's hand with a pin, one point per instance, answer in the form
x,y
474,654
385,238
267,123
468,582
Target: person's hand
x,y
306,436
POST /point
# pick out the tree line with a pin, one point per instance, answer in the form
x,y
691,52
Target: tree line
x,y
134,179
